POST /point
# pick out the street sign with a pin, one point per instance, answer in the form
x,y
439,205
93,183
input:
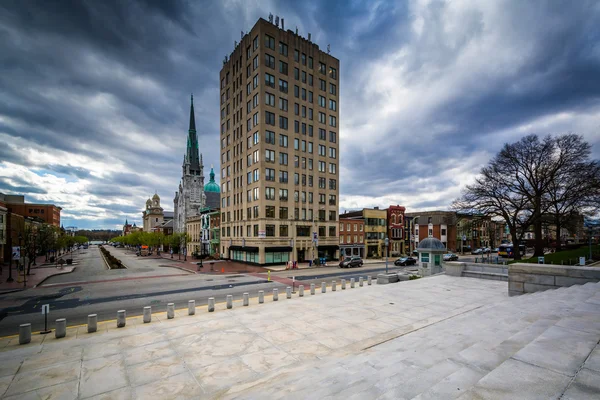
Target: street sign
x,y
315,237
387,242
16,253
262,234
45,309
582,261
464,237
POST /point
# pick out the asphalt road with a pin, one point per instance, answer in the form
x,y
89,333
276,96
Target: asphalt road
x,y
94,290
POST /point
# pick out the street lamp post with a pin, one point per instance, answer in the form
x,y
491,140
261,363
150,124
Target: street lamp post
x,y
387,243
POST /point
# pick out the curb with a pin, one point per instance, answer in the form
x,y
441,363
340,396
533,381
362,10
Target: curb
x,y
49,276
181,268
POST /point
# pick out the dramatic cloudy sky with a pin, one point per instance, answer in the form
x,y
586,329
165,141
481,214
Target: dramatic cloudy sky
x,y
94,95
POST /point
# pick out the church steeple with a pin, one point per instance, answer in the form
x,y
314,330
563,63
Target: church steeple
x,y
192,156
192,118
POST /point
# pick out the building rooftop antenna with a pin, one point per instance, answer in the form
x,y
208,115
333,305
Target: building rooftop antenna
x,y
328,48
270,18
277,21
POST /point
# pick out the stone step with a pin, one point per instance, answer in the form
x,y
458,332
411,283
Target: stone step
x,y
486,268
485,275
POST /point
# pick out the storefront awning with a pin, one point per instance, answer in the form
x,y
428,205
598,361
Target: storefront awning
x,y
329,247
248,249
279,249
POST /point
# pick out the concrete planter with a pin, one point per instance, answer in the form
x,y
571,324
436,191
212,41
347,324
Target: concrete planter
x,y
383,279
454,268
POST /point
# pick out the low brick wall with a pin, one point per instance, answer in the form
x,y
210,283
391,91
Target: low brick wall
x,y
528,278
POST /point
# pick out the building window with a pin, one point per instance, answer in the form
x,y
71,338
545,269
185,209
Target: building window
x,y
443,232
283,230
270,212
283,49
332,89
270,137
283,86
270,195
333,73
283,213
269,99
269,118
283,193
283,159
283,140
269,42
283,178
332,231
283,122
283,104
269,80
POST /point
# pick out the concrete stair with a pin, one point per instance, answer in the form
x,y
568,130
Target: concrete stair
x,y
543,345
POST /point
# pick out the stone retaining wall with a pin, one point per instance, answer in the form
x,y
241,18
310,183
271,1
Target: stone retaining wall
x,y
528,278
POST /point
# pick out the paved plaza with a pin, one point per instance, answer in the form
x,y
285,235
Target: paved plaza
x,y
434,338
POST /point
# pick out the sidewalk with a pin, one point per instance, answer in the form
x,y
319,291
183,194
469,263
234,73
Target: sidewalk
x,y
210,266
39,273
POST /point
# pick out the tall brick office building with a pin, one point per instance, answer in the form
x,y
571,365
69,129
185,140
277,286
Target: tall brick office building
x,y
279,102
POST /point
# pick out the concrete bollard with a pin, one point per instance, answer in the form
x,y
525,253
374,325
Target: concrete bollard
x,y
369,280
229,301
147,314
333,286
121,318
24,333
288,292
92,323
261,296
312,288
275,294
191,307
360,281
323,287
343,284
351,283
170,310
246,299
61,328
211,304
301,290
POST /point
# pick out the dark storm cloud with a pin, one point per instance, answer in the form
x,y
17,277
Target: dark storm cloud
x,y
110,81
20,186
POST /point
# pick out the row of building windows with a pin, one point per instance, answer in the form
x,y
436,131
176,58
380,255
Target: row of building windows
x,y
357,239
269,43
349,226
299,144
270,231
254,195
283,159
300,214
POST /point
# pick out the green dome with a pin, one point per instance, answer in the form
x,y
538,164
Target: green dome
x,y
212,186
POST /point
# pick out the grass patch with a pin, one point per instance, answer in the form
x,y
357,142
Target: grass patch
x,y
565,257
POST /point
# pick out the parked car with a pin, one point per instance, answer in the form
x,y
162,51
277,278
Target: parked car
x,y
477,251
450,257
486,250
495,250
350,262
404,261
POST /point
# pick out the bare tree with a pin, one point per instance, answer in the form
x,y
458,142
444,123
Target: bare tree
x,y
575,189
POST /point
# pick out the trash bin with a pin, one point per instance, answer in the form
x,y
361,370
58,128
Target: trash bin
x,y
310,263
